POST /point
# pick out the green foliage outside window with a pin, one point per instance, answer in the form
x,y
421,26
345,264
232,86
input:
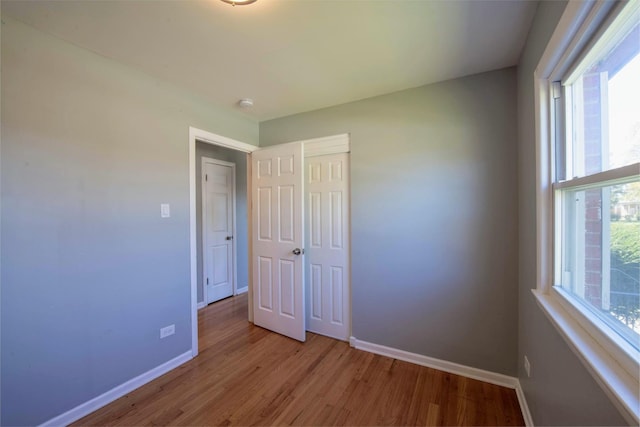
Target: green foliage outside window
x,y
625,272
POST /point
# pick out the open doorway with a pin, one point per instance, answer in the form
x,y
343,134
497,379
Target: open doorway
x,y
207,144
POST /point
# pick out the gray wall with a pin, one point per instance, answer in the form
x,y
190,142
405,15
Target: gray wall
x,y
560,390
434,216
241,238
90,272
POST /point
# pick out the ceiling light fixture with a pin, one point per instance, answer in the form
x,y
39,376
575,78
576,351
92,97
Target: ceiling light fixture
x,y
239,2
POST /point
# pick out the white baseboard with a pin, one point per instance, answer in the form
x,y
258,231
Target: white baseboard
x,y
203,304
116,392
526,414
442,365
452,368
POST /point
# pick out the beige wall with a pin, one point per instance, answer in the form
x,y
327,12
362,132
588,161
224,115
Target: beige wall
x,y
90,272
434,215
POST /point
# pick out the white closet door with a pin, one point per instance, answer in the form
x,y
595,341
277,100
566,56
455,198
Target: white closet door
x,y
277,196
327,255
218,197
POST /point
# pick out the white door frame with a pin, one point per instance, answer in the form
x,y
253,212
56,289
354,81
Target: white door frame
x,y
203,231
222,141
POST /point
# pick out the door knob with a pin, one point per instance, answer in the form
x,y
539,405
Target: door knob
x,y
229,237
298,251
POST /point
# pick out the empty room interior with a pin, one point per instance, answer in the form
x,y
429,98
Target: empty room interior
x,y
320,212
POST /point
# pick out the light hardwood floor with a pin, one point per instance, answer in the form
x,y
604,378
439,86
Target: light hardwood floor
x,y
246,375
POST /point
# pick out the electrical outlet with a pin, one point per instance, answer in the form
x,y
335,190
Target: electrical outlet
x,y
527,366
168,330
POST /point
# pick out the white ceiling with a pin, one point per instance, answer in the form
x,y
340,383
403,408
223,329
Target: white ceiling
x,y
291,56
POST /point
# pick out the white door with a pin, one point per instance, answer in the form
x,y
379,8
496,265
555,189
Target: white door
x,y
327,255
278,239
217,226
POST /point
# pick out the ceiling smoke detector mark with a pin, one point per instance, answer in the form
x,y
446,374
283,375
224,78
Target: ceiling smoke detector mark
x,y
245,103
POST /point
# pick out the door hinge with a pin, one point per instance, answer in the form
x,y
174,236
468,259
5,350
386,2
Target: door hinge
x,y
556,90
207,280
206,177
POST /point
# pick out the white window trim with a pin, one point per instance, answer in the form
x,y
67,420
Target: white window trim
x,y
612,362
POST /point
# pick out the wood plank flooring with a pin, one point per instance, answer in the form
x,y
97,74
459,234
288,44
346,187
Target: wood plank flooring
x,y
246,375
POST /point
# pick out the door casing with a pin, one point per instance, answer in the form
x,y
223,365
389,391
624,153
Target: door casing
x,y
199,135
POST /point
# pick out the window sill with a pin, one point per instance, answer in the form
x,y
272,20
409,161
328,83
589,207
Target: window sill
x,y
616,381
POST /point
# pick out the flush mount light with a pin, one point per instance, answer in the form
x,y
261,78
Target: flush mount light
x,y
239,2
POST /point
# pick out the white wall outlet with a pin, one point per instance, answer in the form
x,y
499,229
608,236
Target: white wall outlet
x,y
165,210
168,330
527,366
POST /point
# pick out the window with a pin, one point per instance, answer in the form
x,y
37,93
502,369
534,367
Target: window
x,y
588,191
597,220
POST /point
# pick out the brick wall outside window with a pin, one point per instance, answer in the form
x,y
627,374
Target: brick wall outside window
x,y
592,93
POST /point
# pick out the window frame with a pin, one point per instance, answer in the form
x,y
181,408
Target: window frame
x,y
613,362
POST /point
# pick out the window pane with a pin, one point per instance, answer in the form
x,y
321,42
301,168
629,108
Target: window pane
x,y
601,253
605,110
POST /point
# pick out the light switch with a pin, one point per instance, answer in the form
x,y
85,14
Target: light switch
x,y
165,210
